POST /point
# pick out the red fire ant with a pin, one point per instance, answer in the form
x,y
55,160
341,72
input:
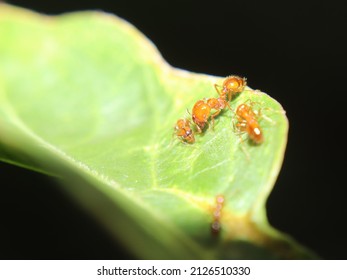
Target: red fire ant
x,y
184,131
209,108
202,110
231,86
247,121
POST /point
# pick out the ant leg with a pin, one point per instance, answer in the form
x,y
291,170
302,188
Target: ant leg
x,y
183,142
263,116
239,130
234,125
174,137
240,127
233,119
217,87
223,103
213,116
212,123
216,114
243,148
253,91
198,128
230,96
251,102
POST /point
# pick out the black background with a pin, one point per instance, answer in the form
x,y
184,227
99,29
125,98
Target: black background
x,y
292,50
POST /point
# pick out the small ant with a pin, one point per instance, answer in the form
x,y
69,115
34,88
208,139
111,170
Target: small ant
x,y
247,121
216,226
232,85
184,131
202,111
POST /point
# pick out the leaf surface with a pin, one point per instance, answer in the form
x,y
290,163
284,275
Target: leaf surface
x,y
86,97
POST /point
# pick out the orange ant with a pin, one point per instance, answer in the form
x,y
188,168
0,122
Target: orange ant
x,y
232,85
247,121
184,131
202,111
216,226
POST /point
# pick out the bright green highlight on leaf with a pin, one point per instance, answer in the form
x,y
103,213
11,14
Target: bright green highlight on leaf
x,y
86,97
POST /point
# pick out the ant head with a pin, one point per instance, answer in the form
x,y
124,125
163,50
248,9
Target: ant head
x,y
234,84
242,108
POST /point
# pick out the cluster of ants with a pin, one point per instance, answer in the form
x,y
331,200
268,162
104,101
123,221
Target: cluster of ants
x,y
210,108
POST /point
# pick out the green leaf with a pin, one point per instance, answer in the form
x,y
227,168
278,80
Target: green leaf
x,y
87,98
